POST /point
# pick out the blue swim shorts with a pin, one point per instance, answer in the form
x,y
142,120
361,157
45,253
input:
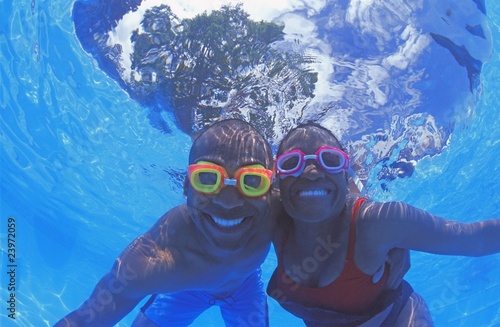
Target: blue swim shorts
x,y
245,307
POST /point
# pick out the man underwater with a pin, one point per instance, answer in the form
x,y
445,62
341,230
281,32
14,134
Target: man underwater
x,y
205,252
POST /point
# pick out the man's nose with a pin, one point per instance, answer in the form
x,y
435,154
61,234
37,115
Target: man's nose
x,y
229,197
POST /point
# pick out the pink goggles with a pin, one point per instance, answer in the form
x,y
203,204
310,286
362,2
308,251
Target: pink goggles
x,y
292,163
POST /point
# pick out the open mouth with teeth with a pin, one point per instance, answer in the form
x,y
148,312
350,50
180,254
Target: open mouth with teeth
x,y
227,223
313,193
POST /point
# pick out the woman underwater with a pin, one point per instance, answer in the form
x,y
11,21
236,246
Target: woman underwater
x,y
332,240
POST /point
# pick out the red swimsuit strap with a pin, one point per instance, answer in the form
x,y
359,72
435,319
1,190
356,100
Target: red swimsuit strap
x,y
352,233
352,229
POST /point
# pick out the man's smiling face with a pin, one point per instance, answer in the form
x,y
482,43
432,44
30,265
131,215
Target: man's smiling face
x,y
228,218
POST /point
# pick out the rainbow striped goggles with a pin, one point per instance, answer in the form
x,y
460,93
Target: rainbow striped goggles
x,y
209,178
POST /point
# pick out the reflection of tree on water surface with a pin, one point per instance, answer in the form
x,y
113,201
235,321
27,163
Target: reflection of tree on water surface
x,y
218,65
391,79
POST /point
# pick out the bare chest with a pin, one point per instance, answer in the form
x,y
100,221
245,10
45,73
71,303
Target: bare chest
x,y
198,271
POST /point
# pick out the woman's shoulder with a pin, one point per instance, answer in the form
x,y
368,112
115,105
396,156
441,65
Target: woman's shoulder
x,y
354,199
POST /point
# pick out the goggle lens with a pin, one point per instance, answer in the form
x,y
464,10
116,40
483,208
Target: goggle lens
x,y
331,159
291,162
205,180
254,183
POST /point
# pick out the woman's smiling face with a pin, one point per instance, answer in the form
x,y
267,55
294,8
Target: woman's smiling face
x,y
315,194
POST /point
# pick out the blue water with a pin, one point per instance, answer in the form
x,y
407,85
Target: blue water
x,y
83,173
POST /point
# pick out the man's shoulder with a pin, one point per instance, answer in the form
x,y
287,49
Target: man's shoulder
x,y
169,226
174,215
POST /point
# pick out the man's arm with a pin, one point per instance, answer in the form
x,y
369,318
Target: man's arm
x,y
107,305
143,268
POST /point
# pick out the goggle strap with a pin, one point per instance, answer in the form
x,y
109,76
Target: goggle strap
x,y
356,181
230,181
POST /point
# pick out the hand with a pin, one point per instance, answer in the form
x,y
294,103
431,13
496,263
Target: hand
x,y
399,264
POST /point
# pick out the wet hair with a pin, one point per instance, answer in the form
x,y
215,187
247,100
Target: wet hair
x,y
304,128
226,137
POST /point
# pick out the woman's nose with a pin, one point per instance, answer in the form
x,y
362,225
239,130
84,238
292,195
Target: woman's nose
x,y
312,170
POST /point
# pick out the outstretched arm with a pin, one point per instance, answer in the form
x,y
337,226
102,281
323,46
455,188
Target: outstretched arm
x,y
142,269
107,304
401,225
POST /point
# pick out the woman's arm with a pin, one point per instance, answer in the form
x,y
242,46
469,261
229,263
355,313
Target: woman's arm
x,y
401,225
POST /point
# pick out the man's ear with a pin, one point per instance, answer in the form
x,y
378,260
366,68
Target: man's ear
x,y
186,185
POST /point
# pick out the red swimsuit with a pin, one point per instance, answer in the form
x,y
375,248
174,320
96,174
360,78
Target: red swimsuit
x,y
352,292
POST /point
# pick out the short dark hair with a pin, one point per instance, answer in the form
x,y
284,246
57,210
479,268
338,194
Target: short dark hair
x,y
228,128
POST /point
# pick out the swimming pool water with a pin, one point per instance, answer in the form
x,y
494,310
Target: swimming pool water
x,y
83,173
